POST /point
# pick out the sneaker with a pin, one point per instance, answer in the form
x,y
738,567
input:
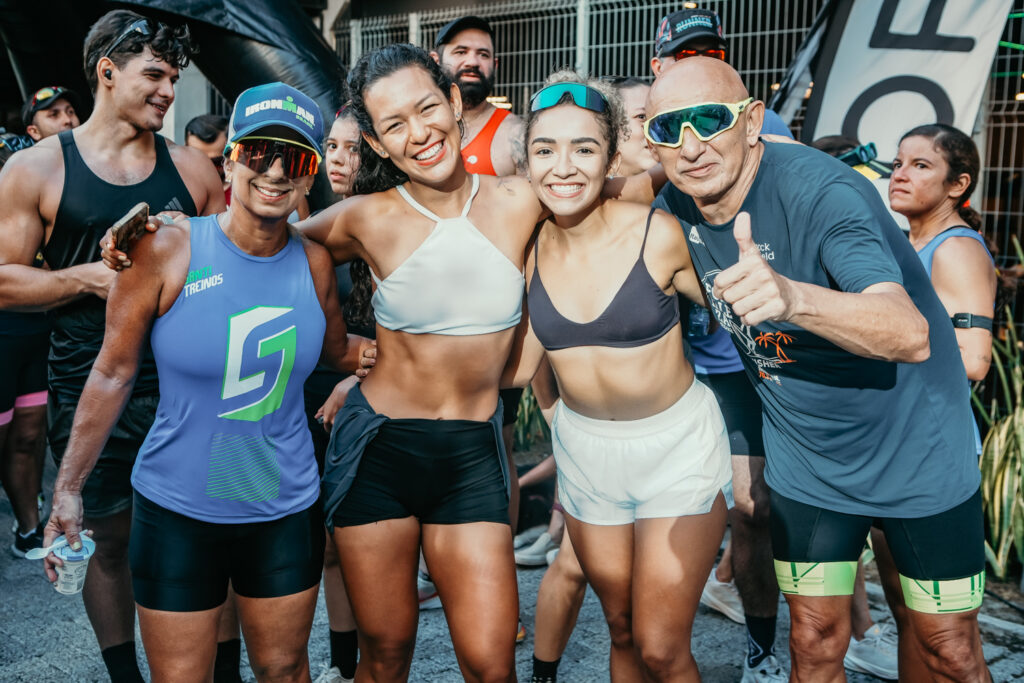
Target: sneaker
x,y
521,633
333,675
22,544
528,536
550,557
768,671
535,554
875,654
724,598
429,599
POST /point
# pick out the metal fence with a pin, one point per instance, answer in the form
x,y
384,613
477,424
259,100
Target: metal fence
x,y
616,37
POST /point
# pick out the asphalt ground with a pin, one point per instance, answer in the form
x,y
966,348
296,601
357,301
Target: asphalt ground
x,y
45,636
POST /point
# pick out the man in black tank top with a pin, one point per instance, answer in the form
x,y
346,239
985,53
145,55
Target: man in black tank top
x,y
62,195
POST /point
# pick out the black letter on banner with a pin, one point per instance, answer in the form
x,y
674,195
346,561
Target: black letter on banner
x,y
930,89
929,37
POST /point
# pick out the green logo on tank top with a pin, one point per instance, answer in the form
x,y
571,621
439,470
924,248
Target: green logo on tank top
x,y
240,327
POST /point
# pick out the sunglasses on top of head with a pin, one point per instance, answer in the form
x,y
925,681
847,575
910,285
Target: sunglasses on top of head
x,y
258,154
139,26
579,94
707,120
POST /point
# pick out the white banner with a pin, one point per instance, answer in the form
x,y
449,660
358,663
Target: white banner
x,y
886,66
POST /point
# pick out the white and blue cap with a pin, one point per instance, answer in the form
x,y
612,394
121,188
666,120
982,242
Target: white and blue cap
x,y
277,104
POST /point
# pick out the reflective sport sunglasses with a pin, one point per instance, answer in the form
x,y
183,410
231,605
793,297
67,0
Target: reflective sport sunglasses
x,y
140,26
259,153
717,53
582,96
707,120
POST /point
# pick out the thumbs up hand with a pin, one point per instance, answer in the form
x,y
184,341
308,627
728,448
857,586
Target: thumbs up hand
x,y
754,290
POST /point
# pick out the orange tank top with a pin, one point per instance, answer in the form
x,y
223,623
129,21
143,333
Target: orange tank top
x,y
477,154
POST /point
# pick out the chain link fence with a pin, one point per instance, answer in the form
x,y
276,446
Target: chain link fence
x,y
616,37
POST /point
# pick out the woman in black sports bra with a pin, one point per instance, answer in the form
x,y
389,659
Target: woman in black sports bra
x,y
641,447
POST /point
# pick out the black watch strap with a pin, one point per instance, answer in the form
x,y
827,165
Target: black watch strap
x,y
964,321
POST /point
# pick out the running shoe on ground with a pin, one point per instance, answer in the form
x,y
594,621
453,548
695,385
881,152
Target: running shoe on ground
x,y
333,675
22,544
520,633
429,599
528,536
875,654
550,557
768,671
723,597
536,554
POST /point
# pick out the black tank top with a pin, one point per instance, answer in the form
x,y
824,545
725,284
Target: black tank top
x,y
89,205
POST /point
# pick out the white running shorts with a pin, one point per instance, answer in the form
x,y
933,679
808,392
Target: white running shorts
x,y
671,464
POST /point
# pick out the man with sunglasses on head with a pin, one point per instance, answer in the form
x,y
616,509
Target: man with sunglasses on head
x,y
742,586
62,195
864,398
49,111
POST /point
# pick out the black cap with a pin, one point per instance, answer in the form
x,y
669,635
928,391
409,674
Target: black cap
x,y
681,27
449,30
44,98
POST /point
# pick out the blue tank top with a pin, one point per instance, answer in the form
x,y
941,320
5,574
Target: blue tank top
x,y
230,442
927,253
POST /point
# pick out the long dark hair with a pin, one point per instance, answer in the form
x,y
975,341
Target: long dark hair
x,y
377,174
961,156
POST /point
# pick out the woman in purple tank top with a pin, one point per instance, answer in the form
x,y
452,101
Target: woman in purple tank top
x,y
226,492
934,173
640,446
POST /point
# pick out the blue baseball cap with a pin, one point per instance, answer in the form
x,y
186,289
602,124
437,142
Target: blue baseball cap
x,y
277,104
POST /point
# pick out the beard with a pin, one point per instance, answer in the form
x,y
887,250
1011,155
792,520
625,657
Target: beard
x,y
476,91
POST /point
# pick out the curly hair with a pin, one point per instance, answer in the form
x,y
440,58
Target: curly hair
x,y
377,174
172,44
613,121
961,155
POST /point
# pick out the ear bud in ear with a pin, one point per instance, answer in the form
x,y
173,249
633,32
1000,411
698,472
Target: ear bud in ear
x,y
108,74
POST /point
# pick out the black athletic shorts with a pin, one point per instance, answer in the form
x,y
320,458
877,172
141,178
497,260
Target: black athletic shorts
x,y
108,490
439,471
510,404
180,564
949,545
741,408
23,369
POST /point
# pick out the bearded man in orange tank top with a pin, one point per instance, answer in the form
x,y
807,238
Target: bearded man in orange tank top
x,y
492,144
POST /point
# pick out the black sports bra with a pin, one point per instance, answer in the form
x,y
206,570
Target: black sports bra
x,y
639,313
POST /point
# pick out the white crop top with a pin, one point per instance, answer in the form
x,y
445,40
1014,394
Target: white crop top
x,y
455,283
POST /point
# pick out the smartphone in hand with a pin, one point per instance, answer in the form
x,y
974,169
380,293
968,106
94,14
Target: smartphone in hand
x,y
130,227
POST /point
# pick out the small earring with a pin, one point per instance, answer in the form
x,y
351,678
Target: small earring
x,y
307,191
458,116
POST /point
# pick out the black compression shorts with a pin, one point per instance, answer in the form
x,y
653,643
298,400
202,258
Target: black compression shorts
x,y
180,564
439,471
741,409
23,370
108,490
949,545
510,403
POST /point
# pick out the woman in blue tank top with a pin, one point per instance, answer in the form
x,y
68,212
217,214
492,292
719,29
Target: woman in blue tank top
x,y
238,308
934,173
640,446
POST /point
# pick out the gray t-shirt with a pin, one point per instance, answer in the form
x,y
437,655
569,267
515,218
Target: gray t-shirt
x,y
841,432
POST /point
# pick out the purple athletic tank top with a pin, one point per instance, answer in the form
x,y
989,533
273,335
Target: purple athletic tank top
x,y
230,442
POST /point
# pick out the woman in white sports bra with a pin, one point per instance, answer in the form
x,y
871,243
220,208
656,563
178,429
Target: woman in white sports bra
x,y
416,453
